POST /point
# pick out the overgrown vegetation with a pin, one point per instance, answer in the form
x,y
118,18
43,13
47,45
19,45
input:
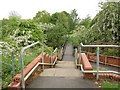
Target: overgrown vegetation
x,y
102,29
51,30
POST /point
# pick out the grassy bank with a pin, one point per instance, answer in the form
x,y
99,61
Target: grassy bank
x,y
106,85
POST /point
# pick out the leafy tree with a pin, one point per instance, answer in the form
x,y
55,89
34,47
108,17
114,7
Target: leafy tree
x,y
74,17
86,22
42,16
55,36
63,26
107,22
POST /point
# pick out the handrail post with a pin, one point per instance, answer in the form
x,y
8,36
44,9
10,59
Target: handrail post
x,y
80,54
22,63
22,68
51,58
13,66
61,52
52,53
76,55
98,51
43,57
57,52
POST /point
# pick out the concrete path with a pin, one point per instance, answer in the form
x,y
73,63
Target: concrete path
x,y
64,75
68,55
63,69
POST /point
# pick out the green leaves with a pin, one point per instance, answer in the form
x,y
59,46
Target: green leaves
x,y
103,28
55,36
107,22
42,16
18,33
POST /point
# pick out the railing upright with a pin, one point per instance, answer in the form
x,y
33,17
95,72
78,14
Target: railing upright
x,y
98,52
22,62
43,57
13,66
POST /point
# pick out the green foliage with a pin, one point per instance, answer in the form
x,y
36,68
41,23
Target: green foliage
x,y
81,34
109,85
62,26
55,36
51,30
107,22
62,19
103,28
18,33
28,56
74,17
42,16
56,26
74,38
86,22
111,52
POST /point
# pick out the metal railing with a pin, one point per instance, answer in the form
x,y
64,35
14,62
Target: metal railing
x,y
98,53
61,53
22,62
63,47
76,56
117,46
43,46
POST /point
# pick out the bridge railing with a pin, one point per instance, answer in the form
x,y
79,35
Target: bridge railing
x,y
97,62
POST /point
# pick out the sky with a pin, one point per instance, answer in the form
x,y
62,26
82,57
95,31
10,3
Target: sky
x,y
28,8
